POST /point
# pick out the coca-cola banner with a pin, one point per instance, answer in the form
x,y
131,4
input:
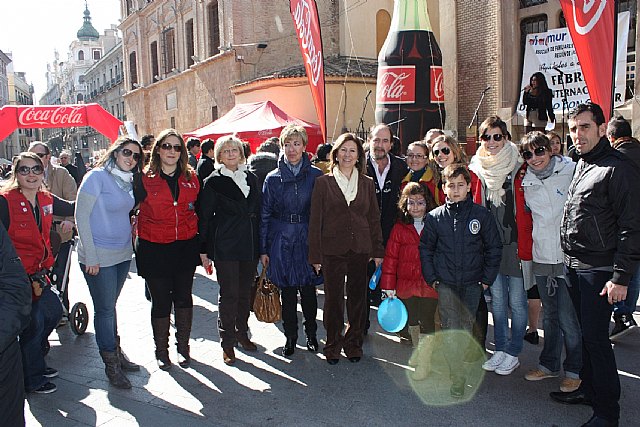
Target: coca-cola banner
x,y
591,24
58,116
307,23
396,84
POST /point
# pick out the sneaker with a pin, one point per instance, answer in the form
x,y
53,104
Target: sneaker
x,y
623,325
570,384
532,337
508,365
50,372
495,361
538,374
46,388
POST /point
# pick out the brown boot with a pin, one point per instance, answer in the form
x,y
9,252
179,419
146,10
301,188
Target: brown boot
x,y
228,355
246,343
112,368
160,327
183,320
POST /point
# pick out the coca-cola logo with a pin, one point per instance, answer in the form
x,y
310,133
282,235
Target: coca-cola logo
x,y
396,85
585,19
51,116
309,40
437,85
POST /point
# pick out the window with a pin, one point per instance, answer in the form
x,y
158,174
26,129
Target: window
x,y
80,98
531,25
133,70
631,6
529,3
214,28
383,22
155,68
81,79
214,113
188,35
169,49
81,55
97,54
130,8
173,123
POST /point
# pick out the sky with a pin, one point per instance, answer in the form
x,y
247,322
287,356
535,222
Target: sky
x,y
33,29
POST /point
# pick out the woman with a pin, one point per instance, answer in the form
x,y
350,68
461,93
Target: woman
x,y
229,212
286,201
556,143
26,211
167,246
545,179
104,201
419,171
496,164
344,233
538,99
446,151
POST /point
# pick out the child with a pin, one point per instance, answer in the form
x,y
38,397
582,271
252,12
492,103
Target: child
x,y
460,254
402,272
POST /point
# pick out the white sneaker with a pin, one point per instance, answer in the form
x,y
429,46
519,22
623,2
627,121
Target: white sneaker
x,y
495,361
508,365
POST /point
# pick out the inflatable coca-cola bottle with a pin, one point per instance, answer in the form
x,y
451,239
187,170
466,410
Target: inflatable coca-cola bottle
x,y
410,80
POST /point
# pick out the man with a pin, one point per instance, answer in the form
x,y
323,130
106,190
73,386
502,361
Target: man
x,y
147,142
265,160
619,135
15,308
193,147
65,162
387,172
206,164
600,235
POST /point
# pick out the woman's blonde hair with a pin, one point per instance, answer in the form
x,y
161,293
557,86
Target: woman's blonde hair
x,y
292,130
155,164
12,182
232,140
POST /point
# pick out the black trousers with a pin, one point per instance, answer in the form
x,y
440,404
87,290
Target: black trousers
x,y
234,300
11,386
168,291
309,303
421,311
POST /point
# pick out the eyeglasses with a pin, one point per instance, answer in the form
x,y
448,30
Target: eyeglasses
x,y
538,151
25,170
418,204
496,137
42,155
168,147
445,150
416,156
128,153
228,151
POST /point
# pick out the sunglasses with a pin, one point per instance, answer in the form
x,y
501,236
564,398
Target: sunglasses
x,y
496,137
444,150
25,170
42,155
168,147
528,155
128,153
416,156
419,204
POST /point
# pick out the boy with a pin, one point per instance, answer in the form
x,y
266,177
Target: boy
x,y
460,253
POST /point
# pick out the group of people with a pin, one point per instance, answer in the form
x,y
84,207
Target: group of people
x,y
447,232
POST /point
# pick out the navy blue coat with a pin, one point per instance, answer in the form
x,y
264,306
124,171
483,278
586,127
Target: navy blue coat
x,y
284,226
460,245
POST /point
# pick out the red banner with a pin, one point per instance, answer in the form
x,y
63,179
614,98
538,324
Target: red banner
x,y
58,116
307,23
592,27
396,84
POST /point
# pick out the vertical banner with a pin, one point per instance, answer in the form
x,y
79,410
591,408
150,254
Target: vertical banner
x,y
307,23
592,27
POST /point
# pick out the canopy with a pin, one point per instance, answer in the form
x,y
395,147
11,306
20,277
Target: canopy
x,y
58,116
255,122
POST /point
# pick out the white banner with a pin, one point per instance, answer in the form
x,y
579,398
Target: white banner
x,y
544,51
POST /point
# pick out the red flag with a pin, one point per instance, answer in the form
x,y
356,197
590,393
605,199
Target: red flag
x,y
307,23
592,26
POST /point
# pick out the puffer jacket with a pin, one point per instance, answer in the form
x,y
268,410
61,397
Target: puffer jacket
x,y
284,226
600,223
401,269
461,246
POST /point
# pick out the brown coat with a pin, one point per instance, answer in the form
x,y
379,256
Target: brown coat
x,y
336,228
61,183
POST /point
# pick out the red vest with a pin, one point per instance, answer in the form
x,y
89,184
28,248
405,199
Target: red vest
x,y
32,245
160,221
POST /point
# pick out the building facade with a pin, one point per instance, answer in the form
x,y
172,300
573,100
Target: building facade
x,y
20,93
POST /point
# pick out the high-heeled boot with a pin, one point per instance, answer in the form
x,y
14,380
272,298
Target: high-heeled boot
x,y
183,320
160,326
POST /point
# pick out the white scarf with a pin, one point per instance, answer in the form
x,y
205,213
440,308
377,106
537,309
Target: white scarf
x,y
494,169
348,186
239,177
124,179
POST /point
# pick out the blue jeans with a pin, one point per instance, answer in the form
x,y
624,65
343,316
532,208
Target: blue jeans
x,y
46,313
508,292
105,288
560,327
628,306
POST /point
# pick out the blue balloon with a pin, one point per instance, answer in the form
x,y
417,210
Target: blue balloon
x,y
392,315
373,282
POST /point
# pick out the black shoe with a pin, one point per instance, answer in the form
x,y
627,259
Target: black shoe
x,y
457,390
50,372
289,347
46,388
624,323
600,422
532,337
333,361
576,397
354,359
312,344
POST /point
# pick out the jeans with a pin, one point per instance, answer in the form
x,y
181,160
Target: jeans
x,y
46,312
628,306
508,292
560,327
599,373
105,289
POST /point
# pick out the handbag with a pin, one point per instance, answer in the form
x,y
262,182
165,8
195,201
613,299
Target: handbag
x,y
267,306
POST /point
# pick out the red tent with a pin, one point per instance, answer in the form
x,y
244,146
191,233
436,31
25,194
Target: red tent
x,y
254,123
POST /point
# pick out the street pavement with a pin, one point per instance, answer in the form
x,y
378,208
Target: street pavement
x,y
265,389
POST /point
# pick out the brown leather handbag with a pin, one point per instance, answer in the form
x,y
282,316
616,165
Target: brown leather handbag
x,y
267,306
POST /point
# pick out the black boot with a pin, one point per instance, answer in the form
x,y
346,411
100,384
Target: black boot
x,y
290,346
160,327
125,363
113,370
183,318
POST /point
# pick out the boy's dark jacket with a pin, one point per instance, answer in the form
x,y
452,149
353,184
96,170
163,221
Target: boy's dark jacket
x,y
460,245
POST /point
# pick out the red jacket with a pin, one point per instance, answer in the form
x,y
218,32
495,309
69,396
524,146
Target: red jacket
x,y
162,221
401,268
32,245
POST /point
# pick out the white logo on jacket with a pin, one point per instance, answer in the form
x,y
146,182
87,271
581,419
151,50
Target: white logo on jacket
x,y
474,226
